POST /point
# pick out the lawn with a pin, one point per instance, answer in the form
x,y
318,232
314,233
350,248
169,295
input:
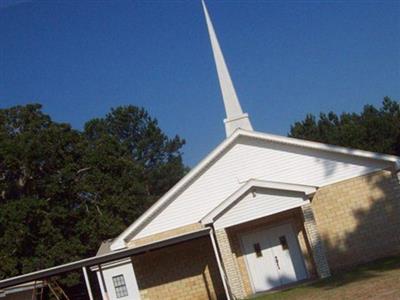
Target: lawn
x,y
376,280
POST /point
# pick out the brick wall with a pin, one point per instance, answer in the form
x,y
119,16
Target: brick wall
x,y
316,243
359,219
164,235
232,269
183,271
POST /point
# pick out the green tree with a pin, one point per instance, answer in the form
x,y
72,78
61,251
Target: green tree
x,y
63,191
374,129
38,208
157,155
129,164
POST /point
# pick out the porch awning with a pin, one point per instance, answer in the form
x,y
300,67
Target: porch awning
x,y
97,260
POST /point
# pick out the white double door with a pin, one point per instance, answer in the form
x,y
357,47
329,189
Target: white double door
x,y
273,257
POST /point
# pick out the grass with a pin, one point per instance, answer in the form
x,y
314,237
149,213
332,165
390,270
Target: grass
x,y
377,280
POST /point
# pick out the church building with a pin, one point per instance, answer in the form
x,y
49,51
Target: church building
x,y
260,212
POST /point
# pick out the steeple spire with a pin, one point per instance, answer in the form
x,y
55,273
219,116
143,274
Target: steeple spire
x,y
235,118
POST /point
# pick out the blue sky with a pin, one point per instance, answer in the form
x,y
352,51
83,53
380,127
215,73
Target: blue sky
x,y
80,58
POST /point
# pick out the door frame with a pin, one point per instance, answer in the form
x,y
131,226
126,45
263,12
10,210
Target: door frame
x,y
262,228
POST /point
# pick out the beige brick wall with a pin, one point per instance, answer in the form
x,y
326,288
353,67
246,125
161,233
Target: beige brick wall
x,y
184,271
293,216
316,243
164,235
231,266
359,219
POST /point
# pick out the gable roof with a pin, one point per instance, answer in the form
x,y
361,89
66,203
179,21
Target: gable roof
x,y
254,183
119,242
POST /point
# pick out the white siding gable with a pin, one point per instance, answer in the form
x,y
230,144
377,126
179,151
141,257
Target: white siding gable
x,y
259,203
252,158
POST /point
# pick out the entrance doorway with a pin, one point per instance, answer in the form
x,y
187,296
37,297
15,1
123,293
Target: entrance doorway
x,y
273,257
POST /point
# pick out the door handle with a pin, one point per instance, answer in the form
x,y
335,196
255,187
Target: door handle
x,y
277,262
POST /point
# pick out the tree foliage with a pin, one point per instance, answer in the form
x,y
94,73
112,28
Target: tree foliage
x,y
374,129
63,191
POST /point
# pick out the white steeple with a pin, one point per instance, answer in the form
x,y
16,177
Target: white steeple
x,y
235,118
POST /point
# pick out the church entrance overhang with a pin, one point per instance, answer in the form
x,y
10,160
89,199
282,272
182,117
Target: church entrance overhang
x,y
257,199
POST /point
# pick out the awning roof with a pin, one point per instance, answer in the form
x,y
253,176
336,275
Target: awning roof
x,y
100,259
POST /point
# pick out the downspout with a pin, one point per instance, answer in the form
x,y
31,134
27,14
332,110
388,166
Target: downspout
x,y
219,263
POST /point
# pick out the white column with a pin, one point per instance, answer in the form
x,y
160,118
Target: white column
x,y
103,284
89,290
